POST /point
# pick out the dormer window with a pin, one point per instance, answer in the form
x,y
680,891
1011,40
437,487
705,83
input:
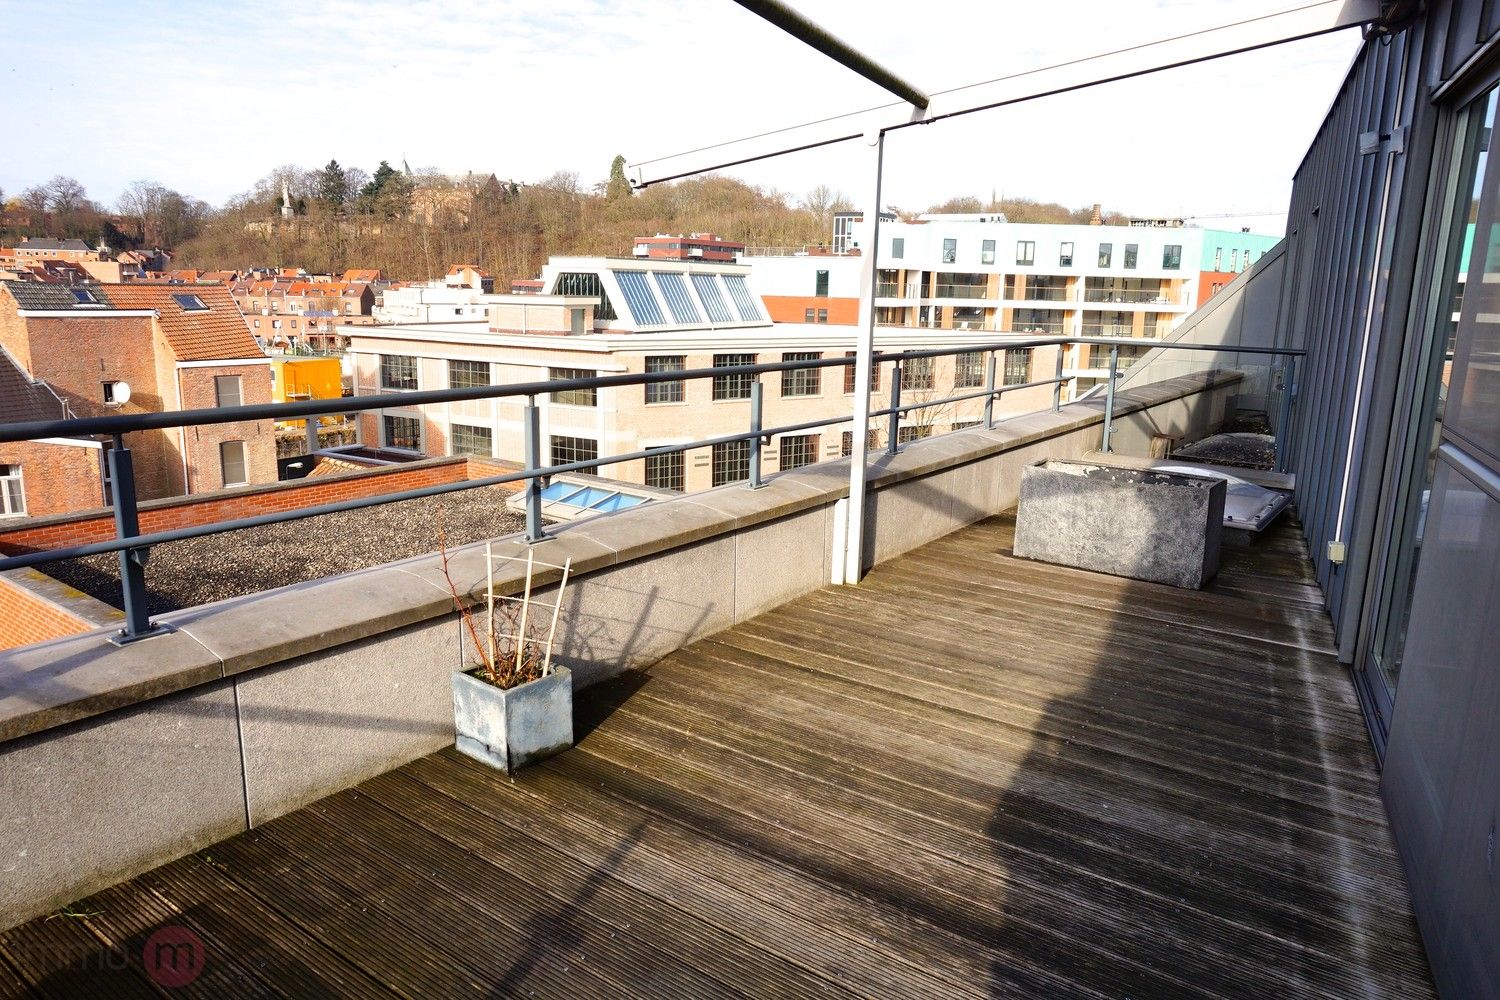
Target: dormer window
x,y
191,303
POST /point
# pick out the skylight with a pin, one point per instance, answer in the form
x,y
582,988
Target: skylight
x,y
84,297
675,291
707,286
191,303
739,290
639,298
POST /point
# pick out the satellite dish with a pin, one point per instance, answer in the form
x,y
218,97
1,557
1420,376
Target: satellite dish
x,y
122,392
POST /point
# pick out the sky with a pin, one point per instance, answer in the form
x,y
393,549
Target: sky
x,y
208,98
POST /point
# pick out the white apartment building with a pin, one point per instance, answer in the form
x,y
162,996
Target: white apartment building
x,y
979,272
434,302
609,316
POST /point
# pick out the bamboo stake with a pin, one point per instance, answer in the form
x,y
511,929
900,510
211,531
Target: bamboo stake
x,y
489,589
556,608
525,607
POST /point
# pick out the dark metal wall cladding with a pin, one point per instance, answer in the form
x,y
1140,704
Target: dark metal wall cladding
x,y
1355,219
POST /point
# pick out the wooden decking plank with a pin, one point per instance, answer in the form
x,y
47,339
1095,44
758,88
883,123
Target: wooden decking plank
x,y
498,872
1224,724
1263,886
58,956
1071,776
490,948
687,858
926,872
1120,755
1109,714
350,923
1089,900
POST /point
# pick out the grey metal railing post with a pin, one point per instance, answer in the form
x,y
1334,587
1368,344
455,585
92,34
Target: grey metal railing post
x,y
532,428
1283,422
312,434
1109,397
989,399
757,394
1057,386
894,429
138,624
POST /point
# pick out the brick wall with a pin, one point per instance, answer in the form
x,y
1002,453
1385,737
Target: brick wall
x,y
26,618
227,505
57,478
205,471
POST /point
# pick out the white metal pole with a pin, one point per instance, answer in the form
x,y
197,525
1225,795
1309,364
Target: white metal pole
x,y
864,350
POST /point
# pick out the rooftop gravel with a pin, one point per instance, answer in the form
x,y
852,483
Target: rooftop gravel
x,y
217,567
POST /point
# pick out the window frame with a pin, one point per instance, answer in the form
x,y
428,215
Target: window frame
x,y
489,374
1132,256
661,393
677,472
721,472
1065,255
987,252
732,387
220,395
1026,253
801,382
572,397
244,461
386,438
1171,257
455,428
12,473
969,370
950,250
1106,254
387,367
805,446
565,444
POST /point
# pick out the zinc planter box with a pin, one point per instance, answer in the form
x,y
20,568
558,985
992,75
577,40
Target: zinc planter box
x,y
510,728
1137,523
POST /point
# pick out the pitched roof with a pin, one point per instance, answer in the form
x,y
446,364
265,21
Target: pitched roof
x,y
23,400
52,296
47,243
216,333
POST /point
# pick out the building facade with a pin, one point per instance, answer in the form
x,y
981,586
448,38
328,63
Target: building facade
x,y
603,316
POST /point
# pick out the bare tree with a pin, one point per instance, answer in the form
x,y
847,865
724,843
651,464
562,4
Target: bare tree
x,y
35,198
142,202
64,194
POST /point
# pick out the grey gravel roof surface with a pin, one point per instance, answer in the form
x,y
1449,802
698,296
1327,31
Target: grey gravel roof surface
x,y
217,567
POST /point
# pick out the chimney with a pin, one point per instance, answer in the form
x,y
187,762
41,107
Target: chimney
x,y
1096,219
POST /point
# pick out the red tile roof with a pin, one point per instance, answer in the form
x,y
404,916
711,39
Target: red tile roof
x,y
216,333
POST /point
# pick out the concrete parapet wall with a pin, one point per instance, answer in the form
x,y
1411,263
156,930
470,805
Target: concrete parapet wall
x,y
261,704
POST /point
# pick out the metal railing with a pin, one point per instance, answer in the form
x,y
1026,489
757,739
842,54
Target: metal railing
x,y
1133,296
1036,293
959,292
133,547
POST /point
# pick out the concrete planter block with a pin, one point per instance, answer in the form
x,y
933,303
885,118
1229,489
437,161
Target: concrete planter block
x,y
1161,527
511,728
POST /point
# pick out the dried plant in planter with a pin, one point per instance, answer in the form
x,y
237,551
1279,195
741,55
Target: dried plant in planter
x,y
511,646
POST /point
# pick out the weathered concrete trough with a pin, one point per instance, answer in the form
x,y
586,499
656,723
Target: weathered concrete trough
x,y
1160,527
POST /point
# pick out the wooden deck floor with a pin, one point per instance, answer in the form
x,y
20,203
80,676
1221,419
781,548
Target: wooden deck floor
x,y
972,776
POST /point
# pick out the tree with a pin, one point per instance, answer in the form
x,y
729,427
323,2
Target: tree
x,y
142,202
35,198
619,186
331,186
965,205
64,194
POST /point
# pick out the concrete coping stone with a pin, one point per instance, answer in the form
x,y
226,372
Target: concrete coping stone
x,y
50,684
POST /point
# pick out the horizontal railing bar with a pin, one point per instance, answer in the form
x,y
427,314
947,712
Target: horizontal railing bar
x,y
128,423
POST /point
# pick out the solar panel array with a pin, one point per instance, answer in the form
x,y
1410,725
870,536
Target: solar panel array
x,y
647,291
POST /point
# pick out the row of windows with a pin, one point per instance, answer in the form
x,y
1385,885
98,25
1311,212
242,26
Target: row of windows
x,y
918,373
1171,255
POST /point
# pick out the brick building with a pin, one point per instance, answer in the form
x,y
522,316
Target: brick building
x,y
177,348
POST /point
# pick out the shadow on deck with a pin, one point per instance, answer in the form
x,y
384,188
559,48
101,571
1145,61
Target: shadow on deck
x,y
969,776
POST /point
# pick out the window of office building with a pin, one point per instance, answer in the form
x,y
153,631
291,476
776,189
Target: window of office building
x,y
846,442
402,432
1106,254
1065,255
468,374
950,251
1025,252
733,386
232,463
802,381
798,450
665,392
567,450
1132,251
573,397
466,440
822,315
849,376
1017,367
898,248
398,371
731,462
809,316
1171,257
665,472
987,252
917,374
968,370
12,491
913,432
820,285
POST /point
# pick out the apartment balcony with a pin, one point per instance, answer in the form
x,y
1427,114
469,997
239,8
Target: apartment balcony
x,y
957,292
1035,294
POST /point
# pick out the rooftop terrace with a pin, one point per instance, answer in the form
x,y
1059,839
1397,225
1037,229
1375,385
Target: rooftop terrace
x,y
920,787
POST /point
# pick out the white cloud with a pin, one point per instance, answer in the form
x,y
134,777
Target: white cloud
x,y
210,100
